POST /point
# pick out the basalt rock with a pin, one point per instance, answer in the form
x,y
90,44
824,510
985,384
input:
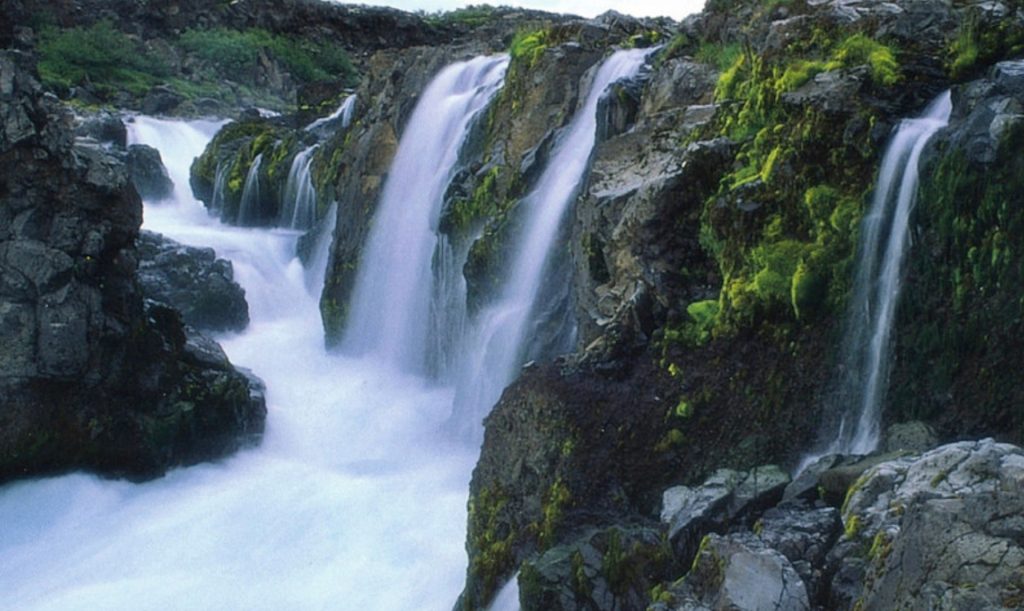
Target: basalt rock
x,y
193,281
91,375
147,173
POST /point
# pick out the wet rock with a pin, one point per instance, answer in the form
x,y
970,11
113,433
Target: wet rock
x,y
804,535
193,281
606,570
148,174
104,127
161,100
92,376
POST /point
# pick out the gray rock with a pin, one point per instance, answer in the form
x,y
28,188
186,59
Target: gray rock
x,y
941,531
148,174
915,436
104,127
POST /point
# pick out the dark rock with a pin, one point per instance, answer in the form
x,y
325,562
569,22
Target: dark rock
x,y
804,536
604,570
836,481
915,436
91,376
193,281
147,172
161,100
104,127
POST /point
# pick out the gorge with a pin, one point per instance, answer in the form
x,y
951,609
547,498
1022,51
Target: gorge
x,y
662,263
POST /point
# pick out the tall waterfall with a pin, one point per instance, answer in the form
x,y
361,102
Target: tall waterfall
x,y
494,348
884,238
298,202
390,311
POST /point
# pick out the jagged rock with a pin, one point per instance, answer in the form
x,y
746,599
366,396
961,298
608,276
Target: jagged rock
x,y
944,530
147,172
804,535
737,572
835,481
605,570
724,499
91,376
193,281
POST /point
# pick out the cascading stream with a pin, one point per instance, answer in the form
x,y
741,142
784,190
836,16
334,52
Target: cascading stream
x,y
298,204
884,239
390,306
248,207
350,502
494,346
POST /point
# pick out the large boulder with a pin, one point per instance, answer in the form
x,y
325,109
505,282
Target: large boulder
x,y
193,281
942,531
91,376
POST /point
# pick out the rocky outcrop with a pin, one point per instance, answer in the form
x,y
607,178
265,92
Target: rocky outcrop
x,y
91,375
193,281
147,172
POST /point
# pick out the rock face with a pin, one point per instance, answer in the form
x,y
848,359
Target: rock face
x,y
91,375
193,281
147,172
940,531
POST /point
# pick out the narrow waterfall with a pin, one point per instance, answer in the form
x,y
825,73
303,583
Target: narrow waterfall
x,y
298,201
390,311
495,343
344,113
248,207
884,238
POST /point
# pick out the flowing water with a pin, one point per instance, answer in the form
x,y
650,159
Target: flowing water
x,y
350,502
298,203
248,207
391,302
494,346
884,239
343,113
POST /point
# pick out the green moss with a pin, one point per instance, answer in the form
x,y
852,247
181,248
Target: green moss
x,y
852,528
858,50
528,46
720,55
556,499
491,544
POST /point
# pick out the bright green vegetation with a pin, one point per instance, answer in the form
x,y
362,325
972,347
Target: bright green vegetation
x,y
235,52
783,223
980,44
528,46
99,55
721,56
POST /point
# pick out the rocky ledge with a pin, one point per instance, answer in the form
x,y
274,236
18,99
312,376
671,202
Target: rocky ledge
x,y
92,375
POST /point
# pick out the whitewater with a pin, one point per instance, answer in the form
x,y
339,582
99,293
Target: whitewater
x,y
350,502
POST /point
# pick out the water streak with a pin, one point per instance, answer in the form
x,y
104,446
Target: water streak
x,y
298,201
494,349
248,207
391,300
884,240
344,112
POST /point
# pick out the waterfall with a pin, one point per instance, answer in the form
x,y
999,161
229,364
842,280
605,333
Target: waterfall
x,y
344,112
350,501
507,598
494,346
316,271
884,238
298,203
390,311
248,208
220,183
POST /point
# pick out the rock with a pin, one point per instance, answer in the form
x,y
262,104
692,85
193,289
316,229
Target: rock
x,y
915,436
944,530
148,174
193,281
738,572
161,100
92,376
104,127
804,535
836,481
725,499
605,570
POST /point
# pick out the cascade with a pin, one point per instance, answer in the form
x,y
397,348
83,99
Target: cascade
x,y
884,239
390,305
248,207
298,202
344,112
494,345
349,502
